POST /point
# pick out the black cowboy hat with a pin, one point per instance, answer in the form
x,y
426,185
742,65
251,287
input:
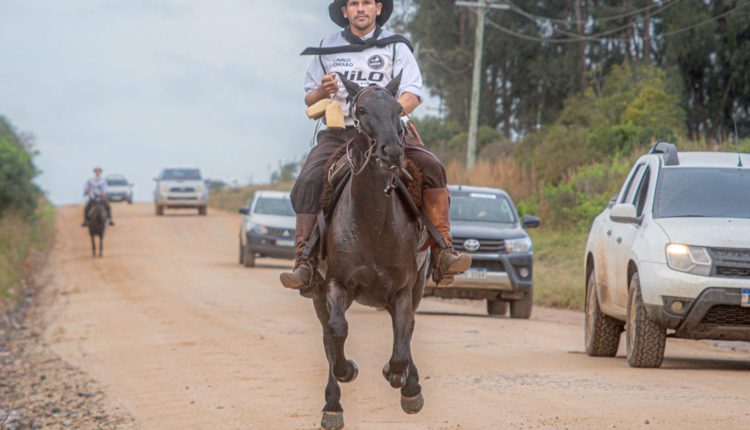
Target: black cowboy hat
x,y
334,10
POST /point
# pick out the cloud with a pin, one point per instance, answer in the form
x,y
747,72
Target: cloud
x,y
141,84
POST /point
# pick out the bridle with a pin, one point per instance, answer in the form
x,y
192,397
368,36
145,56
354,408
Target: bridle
x,y
370,140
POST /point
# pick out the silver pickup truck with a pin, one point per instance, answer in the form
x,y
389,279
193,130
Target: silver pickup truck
x,y
486,225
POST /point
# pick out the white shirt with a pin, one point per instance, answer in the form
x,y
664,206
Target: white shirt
x,y
372,66
95,187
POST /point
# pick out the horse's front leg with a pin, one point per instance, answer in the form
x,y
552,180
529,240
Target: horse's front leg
x,y
101,246
333,413
412,400
93,245
338,301
396,370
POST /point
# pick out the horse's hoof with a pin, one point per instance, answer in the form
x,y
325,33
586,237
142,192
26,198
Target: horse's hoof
x,y
396,381
352,375
412,405
332,421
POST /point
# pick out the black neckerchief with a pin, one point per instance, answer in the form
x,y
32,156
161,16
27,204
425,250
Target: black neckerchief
x,y
353,39
356,44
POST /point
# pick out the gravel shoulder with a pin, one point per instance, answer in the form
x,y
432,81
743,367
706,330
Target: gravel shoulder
x,y
37,388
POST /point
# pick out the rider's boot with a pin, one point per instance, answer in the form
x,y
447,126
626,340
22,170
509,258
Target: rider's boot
x,y
300,276
448,262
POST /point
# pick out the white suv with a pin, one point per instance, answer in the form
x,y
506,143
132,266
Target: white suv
x,y
671,255
180,189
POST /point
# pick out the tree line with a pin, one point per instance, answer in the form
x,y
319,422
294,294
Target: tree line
x,y
540,53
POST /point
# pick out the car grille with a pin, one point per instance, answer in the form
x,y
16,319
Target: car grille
x,y
280,232
496,246
490,265
182,190
727,315
731,263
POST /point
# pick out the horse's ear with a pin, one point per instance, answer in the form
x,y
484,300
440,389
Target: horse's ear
x,y
395,84
352,87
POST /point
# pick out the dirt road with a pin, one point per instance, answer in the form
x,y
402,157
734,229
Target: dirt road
x,y
183,337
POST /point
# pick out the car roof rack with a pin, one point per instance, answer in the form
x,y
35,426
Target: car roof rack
x,y
668,151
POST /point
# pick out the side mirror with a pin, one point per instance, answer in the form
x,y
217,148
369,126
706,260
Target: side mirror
x,y
245,211
625,213
531,221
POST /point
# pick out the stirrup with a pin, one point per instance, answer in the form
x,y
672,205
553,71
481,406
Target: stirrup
x,y
292,281
444,276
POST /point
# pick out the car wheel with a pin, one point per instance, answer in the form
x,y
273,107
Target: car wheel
x,y
602,332
521,308
646,341
159,210
249,258
203,210
496,307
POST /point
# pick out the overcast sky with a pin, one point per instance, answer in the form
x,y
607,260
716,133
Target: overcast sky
x,y
137,85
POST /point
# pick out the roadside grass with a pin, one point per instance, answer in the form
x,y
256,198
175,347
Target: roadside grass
x,y
231,199
24,242
558,268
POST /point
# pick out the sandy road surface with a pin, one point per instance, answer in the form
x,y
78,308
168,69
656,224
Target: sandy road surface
x,y
182,337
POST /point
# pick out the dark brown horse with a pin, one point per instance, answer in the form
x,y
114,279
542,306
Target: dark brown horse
x,y
373,252
97,221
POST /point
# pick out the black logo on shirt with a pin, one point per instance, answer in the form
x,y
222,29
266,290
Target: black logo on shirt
x,y
376,62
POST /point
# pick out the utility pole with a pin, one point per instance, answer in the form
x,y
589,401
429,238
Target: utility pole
x,y
581,46
476,85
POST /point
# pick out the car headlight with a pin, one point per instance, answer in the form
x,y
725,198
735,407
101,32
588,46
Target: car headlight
x,y
689,259
518,245
257,228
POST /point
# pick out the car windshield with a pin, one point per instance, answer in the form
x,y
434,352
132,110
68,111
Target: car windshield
x,y
481,207
182,175
703,192
117,182
274,206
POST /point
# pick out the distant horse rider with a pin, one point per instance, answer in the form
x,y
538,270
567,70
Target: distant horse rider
x,y
96,187
368,55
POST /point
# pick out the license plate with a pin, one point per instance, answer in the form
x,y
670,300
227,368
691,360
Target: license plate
x,y
745,301
479,274
285,242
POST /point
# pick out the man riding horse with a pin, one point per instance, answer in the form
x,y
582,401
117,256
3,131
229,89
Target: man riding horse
x,y
368,55
96,188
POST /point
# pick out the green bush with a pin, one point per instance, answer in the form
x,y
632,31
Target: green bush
x,y
635,106
577,201
18,193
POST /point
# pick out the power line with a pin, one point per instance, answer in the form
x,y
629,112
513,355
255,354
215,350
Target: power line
x,y
591,37
598,36
532,16
702,23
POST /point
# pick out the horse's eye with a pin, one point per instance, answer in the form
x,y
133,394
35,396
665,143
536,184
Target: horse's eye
x,y
361,111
